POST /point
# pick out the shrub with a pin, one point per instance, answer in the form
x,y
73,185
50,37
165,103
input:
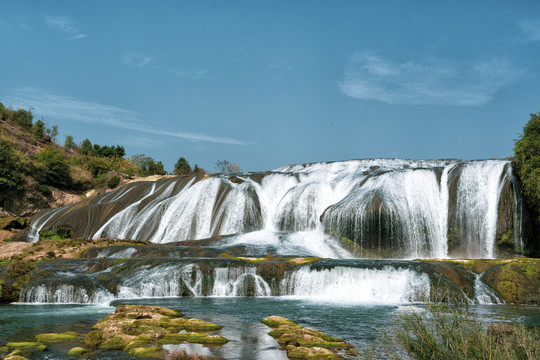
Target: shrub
x,y
11,178
38,130
19,268
445,332
45,190
183,355
527,168
113,182
55,169
69,143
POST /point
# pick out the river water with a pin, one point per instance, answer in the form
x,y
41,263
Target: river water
x,y
361,325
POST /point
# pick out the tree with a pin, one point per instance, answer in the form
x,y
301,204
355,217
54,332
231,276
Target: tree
x,y
38,130
222,165
227,167
182,167
86,147
55,169
54,132
69,144
147,166
11,177
527,168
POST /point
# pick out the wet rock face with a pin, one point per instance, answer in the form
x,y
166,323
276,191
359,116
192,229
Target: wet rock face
x,y
516,281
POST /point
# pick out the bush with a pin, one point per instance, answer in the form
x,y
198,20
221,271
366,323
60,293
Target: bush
x,y
54,168
183,355
444,332
45,190
113,182
11,177
38,130
19,268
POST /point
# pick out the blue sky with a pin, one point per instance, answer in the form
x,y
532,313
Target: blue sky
x,y
272,83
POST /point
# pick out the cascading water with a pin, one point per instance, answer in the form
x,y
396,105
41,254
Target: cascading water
x,y
360,285
368,208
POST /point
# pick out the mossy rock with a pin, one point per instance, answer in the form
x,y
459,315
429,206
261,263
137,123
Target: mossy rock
x,y
116,343
4,349
188,324
275,321
94,338
26,346
137,343
77,351
517,281
54,337
313,353
303,342
155,352
15,357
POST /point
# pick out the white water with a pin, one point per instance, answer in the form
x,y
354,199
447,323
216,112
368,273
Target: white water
x,y
389,207
477,199
358,285
483,293
340,284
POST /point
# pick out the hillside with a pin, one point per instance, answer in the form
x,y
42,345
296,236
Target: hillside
x,y
37,173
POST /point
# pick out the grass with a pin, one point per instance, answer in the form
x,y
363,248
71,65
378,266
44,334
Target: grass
x,y
453,333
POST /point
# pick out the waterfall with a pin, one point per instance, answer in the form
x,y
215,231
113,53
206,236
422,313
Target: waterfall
x,y
483,293
389,208
478,194
358,285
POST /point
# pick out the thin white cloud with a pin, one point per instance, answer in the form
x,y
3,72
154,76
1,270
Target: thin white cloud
x,y
194,74
531,29
431,81
65,25
73,109
136,59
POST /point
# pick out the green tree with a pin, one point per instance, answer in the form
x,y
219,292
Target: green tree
x,y
54,132
527,168
54,168
86,147
182,167
147,166
69,144
11,177
221,165
38,130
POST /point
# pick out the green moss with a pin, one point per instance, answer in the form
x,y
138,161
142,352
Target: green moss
x,y
138,343
275,321
26,345
94,338
77,351
155,352
115,343
201,338
58,233
53,337
15,357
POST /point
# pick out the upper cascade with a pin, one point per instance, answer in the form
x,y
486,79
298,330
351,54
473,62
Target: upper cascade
x,y
389,208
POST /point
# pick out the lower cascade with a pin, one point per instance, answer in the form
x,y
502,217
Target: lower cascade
x,y
349,281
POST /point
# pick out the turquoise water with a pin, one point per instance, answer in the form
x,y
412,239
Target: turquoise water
x,y
360,325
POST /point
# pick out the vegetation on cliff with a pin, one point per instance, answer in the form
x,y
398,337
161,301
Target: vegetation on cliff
x,y
32,164
527,166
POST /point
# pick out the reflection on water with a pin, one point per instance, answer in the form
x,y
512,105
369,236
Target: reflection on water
x,y
360,325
